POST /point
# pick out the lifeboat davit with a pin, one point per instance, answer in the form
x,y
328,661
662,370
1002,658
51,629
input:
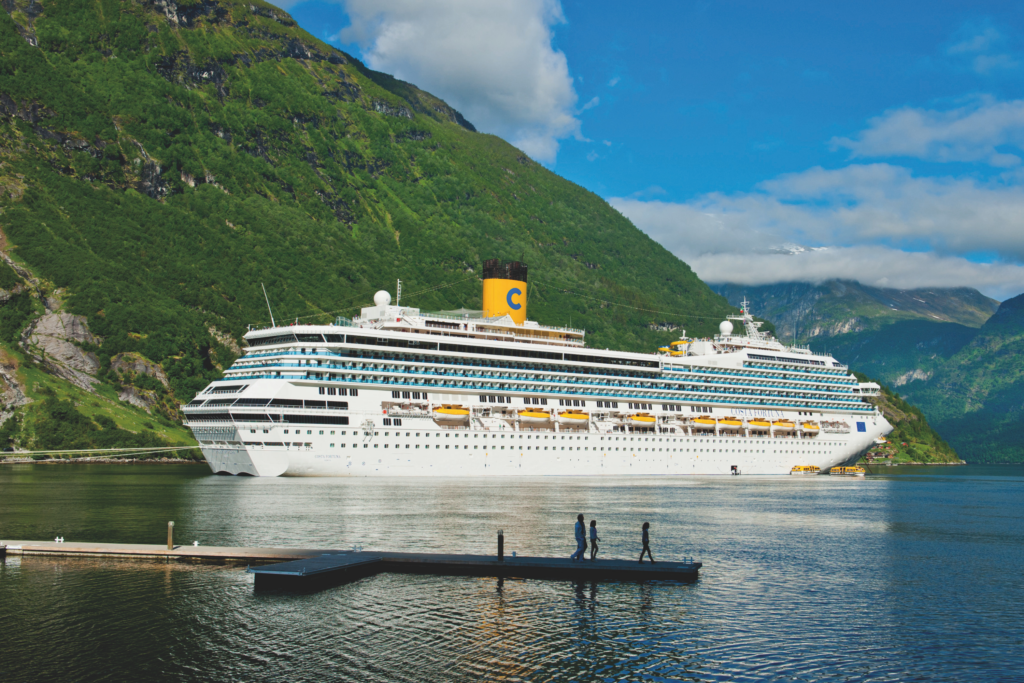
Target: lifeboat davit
x,y
451,413
573,417
643,419
533,416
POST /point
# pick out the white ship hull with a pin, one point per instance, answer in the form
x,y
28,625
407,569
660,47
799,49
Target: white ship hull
x,y
498,447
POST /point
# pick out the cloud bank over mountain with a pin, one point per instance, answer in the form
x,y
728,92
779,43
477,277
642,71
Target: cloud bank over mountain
x,y
492,60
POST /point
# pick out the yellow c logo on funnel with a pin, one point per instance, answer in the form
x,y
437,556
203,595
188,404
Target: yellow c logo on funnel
x,y
505,297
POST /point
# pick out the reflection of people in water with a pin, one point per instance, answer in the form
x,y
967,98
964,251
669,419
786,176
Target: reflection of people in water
x,y
593,539
647,544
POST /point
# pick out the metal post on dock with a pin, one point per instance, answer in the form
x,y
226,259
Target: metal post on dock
x,y
170,535
501,545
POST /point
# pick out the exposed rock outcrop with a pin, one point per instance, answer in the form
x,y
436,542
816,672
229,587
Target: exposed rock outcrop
x,y
54,335
12,393
136,363
225,339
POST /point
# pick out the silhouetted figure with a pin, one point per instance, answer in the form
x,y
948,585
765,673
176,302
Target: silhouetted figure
x,y
593,539
647,544
581,539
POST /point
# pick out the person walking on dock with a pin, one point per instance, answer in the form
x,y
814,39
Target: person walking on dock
x,y
647,544
581,539
593,539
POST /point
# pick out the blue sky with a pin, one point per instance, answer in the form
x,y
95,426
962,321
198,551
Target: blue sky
x,y
760,142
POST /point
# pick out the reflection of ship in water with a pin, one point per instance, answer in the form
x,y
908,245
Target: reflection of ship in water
x,y
397,391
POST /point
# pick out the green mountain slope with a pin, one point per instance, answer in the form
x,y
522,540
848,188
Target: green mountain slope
x,y
159,159
976,398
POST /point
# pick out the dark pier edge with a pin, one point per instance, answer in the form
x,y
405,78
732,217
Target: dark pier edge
x,y
328,571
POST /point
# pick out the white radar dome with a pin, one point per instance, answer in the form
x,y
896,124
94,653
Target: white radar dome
x,y
382,298
725,328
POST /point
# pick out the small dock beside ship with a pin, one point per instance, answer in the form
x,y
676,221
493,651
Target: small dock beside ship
x,y
302,569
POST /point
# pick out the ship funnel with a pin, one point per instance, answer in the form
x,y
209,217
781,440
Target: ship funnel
x,y
505,289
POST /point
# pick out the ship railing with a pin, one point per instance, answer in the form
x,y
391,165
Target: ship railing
x,y
711,397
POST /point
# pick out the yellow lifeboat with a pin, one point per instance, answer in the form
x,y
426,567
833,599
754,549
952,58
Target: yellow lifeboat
x,y
706,422
801,470
533,416
785,425
573,417
449,413
810,426
643,419
759,424
731,422
847,471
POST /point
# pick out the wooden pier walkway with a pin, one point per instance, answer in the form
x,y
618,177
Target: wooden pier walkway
x,y
312,569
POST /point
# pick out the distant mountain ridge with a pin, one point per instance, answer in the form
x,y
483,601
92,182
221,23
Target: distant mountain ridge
x,y
803,311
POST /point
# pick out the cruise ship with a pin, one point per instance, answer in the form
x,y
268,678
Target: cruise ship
x,y
396,391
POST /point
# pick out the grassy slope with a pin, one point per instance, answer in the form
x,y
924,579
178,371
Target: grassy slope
x,y
158,172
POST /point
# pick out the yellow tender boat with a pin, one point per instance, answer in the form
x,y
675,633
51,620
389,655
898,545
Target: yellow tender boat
x,y
732,422
805,469
534,416
760,424
704,421
573,417
451,412
643,418
810,426
784,424
847,471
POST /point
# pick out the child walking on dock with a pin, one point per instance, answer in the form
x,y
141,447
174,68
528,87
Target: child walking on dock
x,y
593,539
647,544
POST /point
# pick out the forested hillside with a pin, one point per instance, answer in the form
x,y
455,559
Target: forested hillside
x,y
160,159
976,398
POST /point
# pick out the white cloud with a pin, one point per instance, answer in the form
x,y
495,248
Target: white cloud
x,y
973,133
592,156
490,59
591,104
979,47
863,222
615,81
979,42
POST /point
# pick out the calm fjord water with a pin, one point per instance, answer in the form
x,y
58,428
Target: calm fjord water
x,y
893,578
